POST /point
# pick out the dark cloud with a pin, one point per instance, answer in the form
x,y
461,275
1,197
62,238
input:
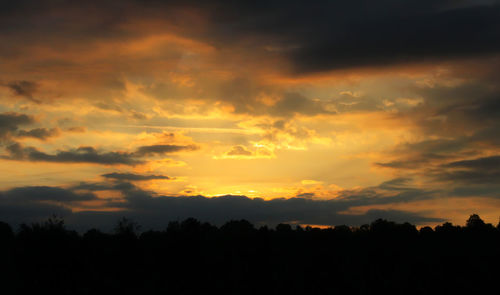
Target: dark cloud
x,y
399,216
161,149
132,177
484,170
486,164
468,107
88,154
44,193
468,189
437,146
16,151
396,184
80,155
302,209
462,121
104,186
9,123
154,211
16,213
410,32
478,177
331,35
392,192
405,164
35,203
420,160
25,89
314,36
84,155
305,195
9,127
39,133
428,153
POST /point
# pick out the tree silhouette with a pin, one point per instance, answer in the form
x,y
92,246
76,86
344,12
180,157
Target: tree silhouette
x,y
426,231
192,257
284,227
127,228
6,233
475,222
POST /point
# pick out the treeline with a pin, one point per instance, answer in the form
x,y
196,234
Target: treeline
x,y
191,257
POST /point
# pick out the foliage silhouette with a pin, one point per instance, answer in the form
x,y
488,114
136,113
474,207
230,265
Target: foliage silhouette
x,y
6,233
127,228
192,257
474,221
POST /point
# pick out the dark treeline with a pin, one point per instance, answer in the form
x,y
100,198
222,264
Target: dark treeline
x,y
191,257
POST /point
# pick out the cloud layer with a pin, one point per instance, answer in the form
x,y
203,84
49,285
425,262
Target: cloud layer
x,y
156,211
312,36
355,108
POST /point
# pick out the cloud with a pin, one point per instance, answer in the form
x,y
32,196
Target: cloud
x,y
161,149
239,150
469,107
457,122
104,186
132,177
400,183
214,63
320,37
88,154
84,155
300,209
25,89
9,123
34,203
9,127
416,31
27,212
76,129
296,103
79,155
155,211
337,35
434,152
44,193
484,170
109,107
486,163
384,194
305,195
405,164
39,133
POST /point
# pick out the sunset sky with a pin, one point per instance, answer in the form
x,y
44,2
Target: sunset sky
x,y
306,112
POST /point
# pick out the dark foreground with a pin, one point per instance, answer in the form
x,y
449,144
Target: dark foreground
x,y
197,258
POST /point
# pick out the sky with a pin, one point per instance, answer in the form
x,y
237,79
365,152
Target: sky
x,y
304,112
